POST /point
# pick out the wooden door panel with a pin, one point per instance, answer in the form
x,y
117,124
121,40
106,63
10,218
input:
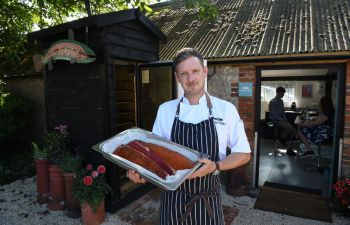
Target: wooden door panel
x,y
125,97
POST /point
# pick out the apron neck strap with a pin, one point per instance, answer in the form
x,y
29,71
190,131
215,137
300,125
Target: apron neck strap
x,y
209,105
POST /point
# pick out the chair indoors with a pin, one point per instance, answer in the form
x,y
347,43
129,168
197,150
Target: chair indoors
x,y
315,160
276,131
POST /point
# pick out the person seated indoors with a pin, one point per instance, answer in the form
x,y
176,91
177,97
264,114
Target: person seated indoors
x,y
279,118
320,129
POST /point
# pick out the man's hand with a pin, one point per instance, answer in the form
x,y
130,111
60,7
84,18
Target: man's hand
x,y
135,177
207,168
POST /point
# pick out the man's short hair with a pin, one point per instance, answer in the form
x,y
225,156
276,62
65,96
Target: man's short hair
x,y
186,53
280,89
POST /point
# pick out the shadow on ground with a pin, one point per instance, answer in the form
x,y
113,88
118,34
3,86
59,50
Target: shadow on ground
x,y
145,211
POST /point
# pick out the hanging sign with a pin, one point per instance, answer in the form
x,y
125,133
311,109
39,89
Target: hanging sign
x,y
69,50
245,89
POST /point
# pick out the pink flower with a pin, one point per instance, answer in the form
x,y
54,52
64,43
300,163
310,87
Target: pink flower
x,y
94,174
342,191
101,169
87,180
62,129
89,167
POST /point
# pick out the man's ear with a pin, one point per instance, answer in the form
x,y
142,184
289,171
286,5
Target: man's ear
x,y
177,79
205,70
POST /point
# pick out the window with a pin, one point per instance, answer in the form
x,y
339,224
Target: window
x,y
268,91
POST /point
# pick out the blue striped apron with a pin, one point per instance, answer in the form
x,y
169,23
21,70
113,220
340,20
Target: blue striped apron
x,y
197,201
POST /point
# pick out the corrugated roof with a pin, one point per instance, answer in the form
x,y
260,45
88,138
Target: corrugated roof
x,y
258,28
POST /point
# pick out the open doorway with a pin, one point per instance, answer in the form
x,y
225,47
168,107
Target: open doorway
x,y
139,90
156,87
125,92
304,85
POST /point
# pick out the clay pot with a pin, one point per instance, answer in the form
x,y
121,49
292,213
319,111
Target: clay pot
x,y
72,205
57,192
89,217
42,180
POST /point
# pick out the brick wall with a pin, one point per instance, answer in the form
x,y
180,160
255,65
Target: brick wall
x,y
246,105
246,110
346,148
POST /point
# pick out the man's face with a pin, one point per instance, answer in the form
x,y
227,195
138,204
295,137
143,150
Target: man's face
x,y
280,94
191,76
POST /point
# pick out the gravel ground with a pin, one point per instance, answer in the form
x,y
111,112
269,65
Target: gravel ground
x,y
18,206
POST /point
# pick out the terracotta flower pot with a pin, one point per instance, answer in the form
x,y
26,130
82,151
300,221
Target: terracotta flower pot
x,y
72,205
42,180
89,217
57,192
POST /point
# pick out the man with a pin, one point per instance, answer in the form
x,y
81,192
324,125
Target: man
x,y
278,117
206,124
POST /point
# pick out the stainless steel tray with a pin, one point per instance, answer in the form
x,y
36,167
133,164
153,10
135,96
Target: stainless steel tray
x,y
108,146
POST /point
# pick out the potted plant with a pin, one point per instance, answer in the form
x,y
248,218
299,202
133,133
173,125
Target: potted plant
x,y
342,194
90,188
42,173
69,165
57,144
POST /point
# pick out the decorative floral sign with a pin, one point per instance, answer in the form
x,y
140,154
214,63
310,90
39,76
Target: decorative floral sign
x,y
70,50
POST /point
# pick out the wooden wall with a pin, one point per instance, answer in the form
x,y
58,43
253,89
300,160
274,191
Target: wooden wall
x,y
130,40
127,41
74,97
83,96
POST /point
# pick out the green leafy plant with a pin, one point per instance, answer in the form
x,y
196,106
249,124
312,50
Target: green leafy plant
x,y
39,153
13,109
90,186
342,193
57,144
206,10
70,163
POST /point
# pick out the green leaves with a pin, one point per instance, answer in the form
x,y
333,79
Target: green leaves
x,y
56,145
97,189
13,109
39,153
143,5
15,19
70,163
206,10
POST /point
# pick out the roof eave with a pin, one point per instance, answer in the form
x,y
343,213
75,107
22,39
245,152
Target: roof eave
x,y
151,26
344,55
100,21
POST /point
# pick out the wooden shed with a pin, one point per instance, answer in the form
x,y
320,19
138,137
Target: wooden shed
x,y
102,98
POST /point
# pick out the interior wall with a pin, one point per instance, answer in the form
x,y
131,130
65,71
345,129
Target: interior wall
x,y
318,90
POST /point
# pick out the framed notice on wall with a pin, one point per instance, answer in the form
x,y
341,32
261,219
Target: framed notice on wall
x,y
245,89
306,90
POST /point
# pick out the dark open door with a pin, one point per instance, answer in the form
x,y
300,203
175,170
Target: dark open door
x,y
310,174
125,97
156,86
139,91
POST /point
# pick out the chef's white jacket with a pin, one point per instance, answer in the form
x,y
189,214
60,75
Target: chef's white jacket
x,y
229,126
